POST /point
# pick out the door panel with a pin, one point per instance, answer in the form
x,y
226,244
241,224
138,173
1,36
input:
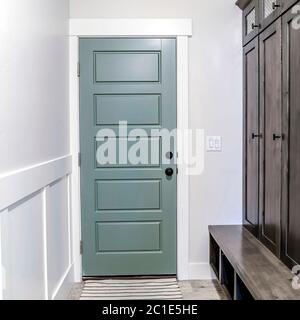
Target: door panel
x,y
127,67
128,194
291,144
128,236
150,160
270,103
136,109
128,208
251,136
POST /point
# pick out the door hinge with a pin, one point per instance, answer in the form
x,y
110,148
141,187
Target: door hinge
x,y
176,170
78,69
81,247
79,159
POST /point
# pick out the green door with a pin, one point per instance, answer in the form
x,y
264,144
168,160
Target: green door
x,y
128,207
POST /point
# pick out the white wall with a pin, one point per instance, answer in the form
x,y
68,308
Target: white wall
x,y
215,103
33,77
35,159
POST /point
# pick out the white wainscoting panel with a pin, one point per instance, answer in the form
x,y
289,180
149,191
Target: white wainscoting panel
x,y
58,238
35,241
22,249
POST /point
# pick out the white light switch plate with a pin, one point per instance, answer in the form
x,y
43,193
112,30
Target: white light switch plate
x,y
213,144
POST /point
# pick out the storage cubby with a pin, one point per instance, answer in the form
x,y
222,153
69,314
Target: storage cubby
x,y
227,276
245,266
214,256
241,291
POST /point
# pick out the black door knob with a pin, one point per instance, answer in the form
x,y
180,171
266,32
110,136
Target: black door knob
x,y
169,172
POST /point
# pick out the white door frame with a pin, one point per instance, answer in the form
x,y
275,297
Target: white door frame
x,y
181,29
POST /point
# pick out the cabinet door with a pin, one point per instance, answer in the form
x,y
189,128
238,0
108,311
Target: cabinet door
x,y
251,21
251,136
270,10
270,148
291,144
286,4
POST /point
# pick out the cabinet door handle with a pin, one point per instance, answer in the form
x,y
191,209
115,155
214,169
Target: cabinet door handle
x,y
277,136
254,136
255,26
275,5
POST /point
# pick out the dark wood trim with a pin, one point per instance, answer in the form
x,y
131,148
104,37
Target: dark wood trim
x,y
287,18
242,4
253,45
273,29
286,54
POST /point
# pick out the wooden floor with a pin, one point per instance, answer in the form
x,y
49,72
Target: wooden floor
x,y
202,290
191,290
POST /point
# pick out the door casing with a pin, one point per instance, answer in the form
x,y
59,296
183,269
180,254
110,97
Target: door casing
x,y
182,30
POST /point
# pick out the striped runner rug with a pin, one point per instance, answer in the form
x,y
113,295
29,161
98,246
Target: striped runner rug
x,y
131,289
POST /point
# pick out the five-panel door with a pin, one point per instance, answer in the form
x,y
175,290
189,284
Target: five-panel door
x,y
129,199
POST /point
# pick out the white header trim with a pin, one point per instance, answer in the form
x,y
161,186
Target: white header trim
x,y
130,27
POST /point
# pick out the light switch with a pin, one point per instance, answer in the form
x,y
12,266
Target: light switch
x,y
213,143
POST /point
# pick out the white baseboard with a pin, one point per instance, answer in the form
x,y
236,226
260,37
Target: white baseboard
x,y
200,271
65,285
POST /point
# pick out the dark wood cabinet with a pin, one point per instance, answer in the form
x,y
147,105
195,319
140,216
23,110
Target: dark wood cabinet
x,y
291,142
269,11
251,135
287,4
270,147
251,21
259,14
271,203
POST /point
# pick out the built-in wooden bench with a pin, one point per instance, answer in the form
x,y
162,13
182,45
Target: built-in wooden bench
x,y
246,268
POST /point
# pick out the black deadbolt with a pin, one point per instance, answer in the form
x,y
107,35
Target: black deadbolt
x,y
169,172
169,155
